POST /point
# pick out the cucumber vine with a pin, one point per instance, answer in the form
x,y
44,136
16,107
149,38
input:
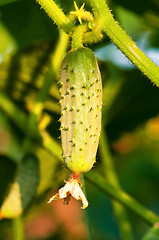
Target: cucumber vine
x,y
103,23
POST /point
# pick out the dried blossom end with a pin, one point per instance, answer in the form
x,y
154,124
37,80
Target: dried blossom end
x,y
71,188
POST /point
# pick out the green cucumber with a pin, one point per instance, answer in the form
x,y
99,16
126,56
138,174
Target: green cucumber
x,y
81,104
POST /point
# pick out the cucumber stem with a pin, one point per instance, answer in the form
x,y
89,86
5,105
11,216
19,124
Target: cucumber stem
x,y
77,38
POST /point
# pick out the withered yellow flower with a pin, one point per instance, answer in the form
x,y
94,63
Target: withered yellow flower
x,y
71,188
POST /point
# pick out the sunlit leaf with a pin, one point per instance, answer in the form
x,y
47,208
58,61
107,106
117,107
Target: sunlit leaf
x,y
12,205
23,189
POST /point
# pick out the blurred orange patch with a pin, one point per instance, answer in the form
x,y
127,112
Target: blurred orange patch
x,y
126,143
57,218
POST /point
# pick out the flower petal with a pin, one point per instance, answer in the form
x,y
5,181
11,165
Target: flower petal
x,y
71,188
55,197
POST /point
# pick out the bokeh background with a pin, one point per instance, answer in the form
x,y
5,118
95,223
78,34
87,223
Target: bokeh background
x,y
31,51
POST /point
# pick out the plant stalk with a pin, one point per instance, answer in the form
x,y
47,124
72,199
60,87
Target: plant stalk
x,y
77,38
56,14
124,42
86,210
18,233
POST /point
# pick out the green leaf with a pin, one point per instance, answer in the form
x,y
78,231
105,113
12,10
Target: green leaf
x,y
152,234
23,189
28,178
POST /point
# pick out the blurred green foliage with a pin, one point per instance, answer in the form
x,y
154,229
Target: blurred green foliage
x,y
28,43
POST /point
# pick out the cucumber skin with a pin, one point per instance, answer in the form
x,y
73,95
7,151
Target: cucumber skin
x,y
81,104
